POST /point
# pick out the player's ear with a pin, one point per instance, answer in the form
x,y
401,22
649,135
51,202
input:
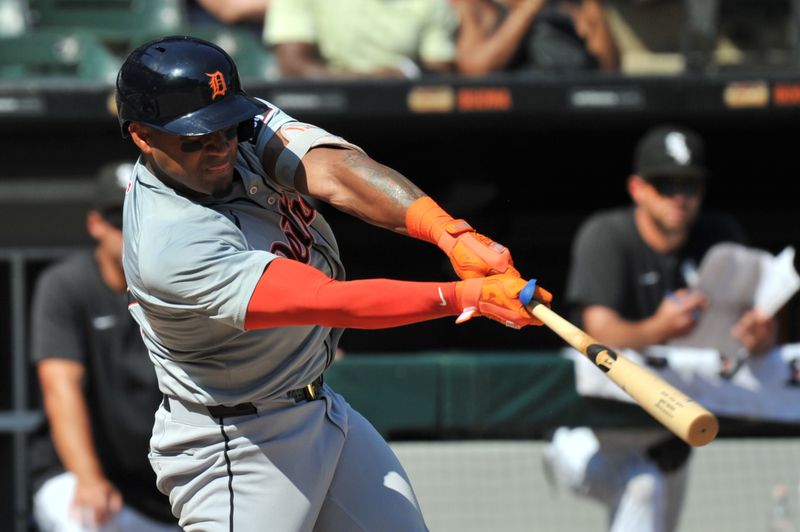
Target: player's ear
x,y
94,224
140,135
635,185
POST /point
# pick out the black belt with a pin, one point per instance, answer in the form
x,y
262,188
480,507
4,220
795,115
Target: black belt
x,y
242,409
310,392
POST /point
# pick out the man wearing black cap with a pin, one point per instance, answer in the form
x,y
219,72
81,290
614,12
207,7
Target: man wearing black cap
x,y
89,463
628,287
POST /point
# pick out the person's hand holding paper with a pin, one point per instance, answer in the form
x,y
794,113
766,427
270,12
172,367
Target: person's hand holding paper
x,y
745,287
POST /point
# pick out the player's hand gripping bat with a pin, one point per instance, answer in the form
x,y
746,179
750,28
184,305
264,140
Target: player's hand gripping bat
x,y
672,408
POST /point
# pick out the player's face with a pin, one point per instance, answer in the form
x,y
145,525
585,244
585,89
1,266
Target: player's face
x,y
202,164
107,234
672,202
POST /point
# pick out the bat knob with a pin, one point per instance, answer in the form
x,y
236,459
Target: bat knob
x,y
526,294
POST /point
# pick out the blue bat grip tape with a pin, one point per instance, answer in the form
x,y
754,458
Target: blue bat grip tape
x,y
526,294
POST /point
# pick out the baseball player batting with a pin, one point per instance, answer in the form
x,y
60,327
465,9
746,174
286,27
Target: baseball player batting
x,y
238,287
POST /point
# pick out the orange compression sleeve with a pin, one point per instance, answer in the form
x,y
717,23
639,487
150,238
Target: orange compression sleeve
x,y
293,293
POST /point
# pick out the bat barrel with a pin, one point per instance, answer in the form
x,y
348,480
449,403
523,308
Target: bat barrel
x,y
702,430
686,418
671,407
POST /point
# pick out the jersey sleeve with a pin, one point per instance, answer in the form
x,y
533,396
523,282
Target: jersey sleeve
x,y
598,262
210,272
266,125
56,320
300,137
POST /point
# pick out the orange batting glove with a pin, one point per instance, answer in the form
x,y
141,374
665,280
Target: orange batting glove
x,y
471,254
498,298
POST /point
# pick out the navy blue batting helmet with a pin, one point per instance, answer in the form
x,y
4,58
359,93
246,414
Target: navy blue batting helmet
x,y
183,86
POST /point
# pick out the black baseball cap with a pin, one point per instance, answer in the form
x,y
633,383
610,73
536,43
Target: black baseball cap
x,y
670,151
109,191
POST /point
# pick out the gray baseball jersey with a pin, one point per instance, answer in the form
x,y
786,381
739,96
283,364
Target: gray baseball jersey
x,y
285,464
192,268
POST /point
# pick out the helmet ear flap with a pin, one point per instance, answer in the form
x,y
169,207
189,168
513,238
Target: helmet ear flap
x,y
245,130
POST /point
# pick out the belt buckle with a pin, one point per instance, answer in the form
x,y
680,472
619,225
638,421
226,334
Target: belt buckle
x,y
310,392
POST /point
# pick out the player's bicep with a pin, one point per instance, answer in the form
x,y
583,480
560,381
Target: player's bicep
x,y
324,170
309,174
358,185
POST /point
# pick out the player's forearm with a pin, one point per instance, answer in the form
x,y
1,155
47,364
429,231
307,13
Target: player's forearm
x,y
291,293
613,330
356,184
70,428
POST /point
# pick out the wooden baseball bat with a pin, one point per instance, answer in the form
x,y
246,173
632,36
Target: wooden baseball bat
x,y
672,408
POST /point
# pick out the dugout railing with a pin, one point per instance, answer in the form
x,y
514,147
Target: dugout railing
x,y
19,415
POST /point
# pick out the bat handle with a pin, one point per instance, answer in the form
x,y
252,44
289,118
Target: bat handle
x,y
526,294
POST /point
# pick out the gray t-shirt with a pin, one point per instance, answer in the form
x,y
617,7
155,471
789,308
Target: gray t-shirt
x,y
76,316
192,266
612,266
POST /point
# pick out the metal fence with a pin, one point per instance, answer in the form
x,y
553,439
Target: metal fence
x,y
19,415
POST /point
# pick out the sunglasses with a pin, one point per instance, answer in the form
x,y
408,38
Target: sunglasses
x,y
196,144
672,186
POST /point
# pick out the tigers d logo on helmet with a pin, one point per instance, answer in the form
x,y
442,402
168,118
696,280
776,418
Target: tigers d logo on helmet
x,y
217,84
182,85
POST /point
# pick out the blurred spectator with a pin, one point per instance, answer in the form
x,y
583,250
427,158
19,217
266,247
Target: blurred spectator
x,y
244,14
676,36
99,389
525,35
627,288
361,38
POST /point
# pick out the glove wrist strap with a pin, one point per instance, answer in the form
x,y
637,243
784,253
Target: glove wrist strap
x,y
468,293
427,221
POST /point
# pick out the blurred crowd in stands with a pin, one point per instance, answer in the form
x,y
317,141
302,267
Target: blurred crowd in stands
x,y
345,39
